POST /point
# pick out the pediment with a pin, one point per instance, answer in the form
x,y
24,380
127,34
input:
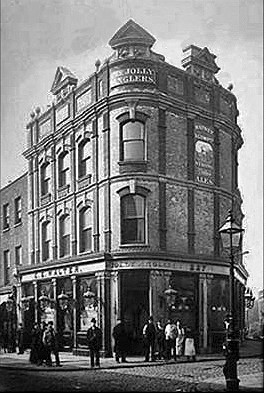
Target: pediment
x,y
132,33
208,58
63,77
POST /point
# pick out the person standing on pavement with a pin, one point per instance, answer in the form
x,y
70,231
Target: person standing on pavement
x,y
20,338
149,334
190,351
94,338
170,339
179,339
160,340
50,340
121,341
36,340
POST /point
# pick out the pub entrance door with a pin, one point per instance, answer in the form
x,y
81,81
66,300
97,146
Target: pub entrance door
x,y
135,307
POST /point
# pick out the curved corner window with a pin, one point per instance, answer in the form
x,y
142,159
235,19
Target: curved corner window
x,y
84,159
63,169
64,235
133,141
46,240
45,178
85,230
133,207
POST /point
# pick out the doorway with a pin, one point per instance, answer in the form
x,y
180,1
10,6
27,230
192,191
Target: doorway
x,y
135,306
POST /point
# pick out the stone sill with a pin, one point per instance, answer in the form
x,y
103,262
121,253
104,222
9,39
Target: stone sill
x,y
133,245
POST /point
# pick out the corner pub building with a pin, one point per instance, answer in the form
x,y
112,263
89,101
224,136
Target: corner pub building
x,y
130,175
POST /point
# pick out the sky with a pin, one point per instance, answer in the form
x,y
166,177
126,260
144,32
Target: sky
x,y
37,36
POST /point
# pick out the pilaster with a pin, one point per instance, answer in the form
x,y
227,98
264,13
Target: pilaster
x,y
204,280
74,291
35,300
55,308
103,295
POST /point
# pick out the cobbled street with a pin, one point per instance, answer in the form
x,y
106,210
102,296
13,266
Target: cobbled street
x,y
179,377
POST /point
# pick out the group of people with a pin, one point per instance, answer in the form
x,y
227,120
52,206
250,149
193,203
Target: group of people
x,y
44,342
170,341
163,342
9,344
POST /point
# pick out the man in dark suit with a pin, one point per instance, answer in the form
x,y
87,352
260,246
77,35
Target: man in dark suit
x,y
94,337
121,341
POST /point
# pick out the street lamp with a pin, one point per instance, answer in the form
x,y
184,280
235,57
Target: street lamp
x,y
63,300
230,234
170,294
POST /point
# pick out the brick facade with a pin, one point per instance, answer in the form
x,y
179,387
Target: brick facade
x,y
184,175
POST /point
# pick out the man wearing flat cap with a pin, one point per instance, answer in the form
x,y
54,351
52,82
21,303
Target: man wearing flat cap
x,y
94,337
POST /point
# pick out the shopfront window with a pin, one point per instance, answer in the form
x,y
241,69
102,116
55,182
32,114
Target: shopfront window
x,y
88,301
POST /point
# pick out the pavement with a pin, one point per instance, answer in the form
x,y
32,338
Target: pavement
x,y
69,362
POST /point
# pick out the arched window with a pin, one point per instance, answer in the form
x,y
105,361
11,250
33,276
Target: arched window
x,y
45,178
63,169
85,230
64,235
46,240
84,159
133,141
133,207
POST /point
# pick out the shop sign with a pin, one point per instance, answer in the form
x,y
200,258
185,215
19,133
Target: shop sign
x,y
57,272
204,157
133,75
188,267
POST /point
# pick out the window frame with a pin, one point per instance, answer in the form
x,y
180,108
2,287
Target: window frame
x,y
83,230
6,216
123,239
7,266
83,162
18,210
123,141
64,247
18,256
46,242
63,169
45,179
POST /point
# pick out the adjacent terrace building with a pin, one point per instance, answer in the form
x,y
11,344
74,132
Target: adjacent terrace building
x,y
130,175
13,252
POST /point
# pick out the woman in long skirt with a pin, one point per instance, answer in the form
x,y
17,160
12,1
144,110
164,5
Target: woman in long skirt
x,y
190,351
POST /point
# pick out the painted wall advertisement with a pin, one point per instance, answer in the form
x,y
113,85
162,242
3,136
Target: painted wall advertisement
x,y
204,157
132,74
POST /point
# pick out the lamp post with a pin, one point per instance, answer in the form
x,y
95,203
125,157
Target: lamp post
x,y
249,303
230,234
